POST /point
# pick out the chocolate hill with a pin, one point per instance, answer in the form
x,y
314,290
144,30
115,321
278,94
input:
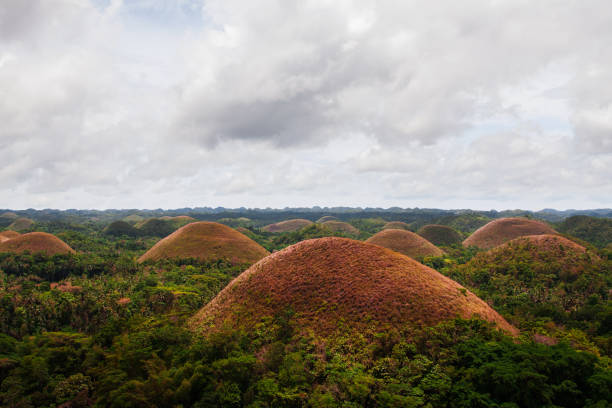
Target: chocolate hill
x,y
503,230
21,224
287,226
8,234
328,280
396,225
440,234
207,241
405,242
36,242
340,226
326,218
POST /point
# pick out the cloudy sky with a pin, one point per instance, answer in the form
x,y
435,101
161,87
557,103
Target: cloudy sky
x,y
175,103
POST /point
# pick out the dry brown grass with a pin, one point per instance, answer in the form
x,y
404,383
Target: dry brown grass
x,y
36,242
503,230
330,280
405,242
340,226
208,241
8,234
287,226
397,225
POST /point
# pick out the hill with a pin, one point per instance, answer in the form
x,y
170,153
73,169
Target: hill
x,y
340,226
597,231
440,234
6,235
503,230
119,228
326,218
405,242
330,280
36,242
397,225
287,226
21,224
133,218
465,223
207,241
538,275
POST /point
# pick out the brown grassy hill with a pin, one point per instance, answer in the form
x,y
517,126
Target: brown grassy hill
x,y
328,280
36,242
503,230
208,241
326,218
287,226
440,234
405,242
6,235
340,226
397,225
21,224
9,214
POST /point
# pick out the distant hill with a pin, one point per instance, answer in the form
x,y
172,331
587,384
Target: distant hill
x,y
465,223
21,224
597,231
207,241
440,234
36,242
287,226
340,226
397,225
405,242
330,280
503,230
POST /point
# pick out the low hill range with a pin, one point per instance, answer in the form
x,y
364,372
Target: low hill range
x,y
333,279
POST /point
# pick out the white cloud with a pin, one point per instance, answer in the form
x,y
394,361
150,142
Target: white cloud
x,y
172,103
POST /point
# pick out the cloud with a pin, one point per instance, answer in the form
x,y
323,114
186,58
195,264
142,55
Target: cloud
x,y
171,103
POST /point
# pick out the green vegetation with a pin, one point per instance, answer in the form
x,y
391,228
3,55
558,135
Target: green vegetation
x,y
596,231
96,328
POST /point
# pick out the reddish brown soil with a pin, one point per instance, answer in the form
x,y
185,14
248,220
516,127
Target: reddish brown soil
x,y
503,230
287,226
36,242
440,234
208,241
331,280
340,226
8,234
396,225
405,242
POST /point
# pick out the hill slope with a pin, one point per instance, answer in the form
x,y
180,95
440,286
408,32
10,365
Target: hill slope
x,y
340,226
8,234
597,231
21,224
287,226
405,242
397,225
440,234
208,241
36,242
327,280
503,230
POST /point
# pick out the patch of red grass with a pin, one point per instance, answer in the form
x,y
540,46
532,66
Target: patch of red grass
x,y
330,280
405,242
503,230
208,241
8,234
36,242
66,286
340,226
287,226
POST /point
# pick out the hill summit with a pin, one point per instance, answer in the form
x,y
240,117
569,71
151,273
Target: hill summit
x,y
503,230
330,280
207,241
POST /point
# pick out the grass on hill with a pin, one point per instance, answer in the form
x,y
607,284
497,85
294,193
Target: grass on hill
x,y
503,230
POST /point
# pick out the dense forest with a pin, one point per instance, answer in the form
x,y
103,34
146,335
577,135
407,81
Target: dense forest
x,y
98,328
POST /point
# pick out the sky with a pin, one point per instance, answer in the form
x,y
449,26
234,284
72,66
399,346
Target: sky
x,y
188,103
